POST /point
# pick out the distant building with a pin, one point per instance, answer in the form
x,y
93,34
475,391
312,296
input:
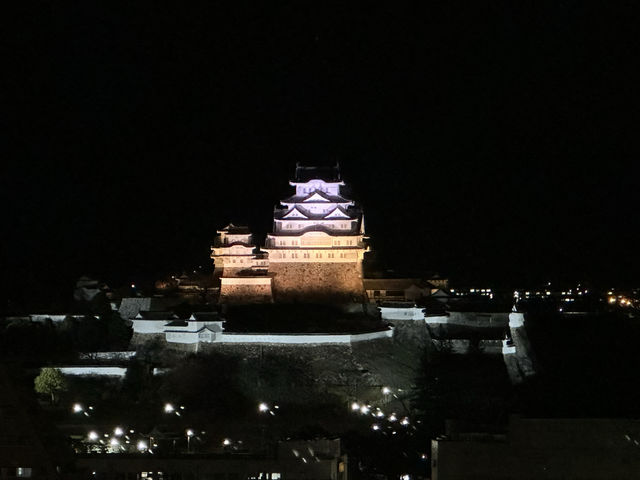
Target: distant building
x,y
535,448
380,290
320,459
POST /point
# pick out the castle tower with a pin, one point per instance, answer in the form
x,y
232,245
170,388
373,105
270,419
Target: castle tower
x,y
318,243
242,270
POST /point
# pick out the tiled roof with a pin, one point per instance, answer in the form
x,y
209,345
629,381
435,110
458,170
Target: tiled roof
x,y
330,198
353,213
317,228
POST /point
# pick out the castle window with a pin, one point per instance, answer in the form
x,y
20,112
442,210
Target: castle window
x,y
318,255
306,255
342,255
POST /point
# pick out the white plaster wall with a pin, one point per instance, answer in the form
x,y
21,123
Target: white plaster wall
x,y
42,317
148,326
301,339
400,313
205,336
516,320
94,370
436,319
108,355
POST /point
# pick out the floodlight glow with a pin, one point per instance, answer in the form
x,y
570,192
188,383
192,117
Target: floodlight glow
x,y
355,406
118,431
364,409
226,442
142,445
77,408
392,417
168,408
263,407
114,442
190,433
405,421
375,426
386,390
93,435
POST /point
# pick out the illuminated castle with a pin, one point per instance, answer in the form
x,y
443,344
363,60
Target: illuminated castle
x,y
315,251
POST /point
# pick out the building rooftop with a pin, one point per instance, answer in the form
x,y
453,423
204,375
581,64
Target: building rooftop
x,y
307,198
235,229
335,214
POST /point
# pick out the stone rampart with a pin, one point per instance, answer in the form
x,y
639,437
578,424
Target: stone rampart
x,y
245,290
317,281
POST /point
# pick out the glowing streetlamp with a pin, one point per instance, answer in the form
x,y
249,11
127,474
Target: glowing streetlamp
x,y
386,390
93,436
263,407
77,408
226,442
118,432
168,408
355,406
364,409
189,433
142,445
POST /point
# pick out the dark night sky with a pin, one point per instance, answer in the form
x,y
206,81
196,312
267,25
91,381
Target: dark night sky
x,y
489,141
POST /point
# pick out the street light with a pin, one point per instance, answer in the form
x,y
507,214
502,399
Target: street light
x,y
168,408
190,433
118,432
263,407
142,445
77,408
93,436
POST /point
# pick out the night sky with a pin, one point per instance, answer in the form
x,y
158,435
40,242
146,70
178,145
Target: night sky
x,y
492,142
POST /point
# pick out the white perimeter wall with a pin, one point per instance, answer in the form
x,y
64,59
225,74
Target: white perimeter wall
x,y
94,370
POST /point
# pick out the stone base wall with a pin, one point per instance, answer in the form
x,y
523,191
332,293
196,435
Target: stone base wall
x,y
335,282
245,294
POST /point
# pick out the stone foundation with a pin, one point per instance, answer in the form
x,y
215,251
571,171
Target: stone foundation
x,y
245,290
310,281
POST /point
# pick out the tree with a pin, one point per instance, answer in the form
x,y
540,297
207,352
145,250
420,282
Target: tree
x,y
49,382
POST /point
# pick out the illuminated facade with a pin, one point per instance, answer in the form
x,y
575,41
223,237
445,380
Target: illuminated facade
x,y
314,253
241,269
318,243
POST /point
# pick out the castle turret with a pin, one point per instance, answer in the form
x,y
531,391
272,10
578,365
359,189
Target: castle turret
x,y
241,269
318,243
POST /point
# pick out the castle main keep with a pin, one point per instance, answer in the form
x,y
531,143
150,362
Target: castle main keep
x,y
314,252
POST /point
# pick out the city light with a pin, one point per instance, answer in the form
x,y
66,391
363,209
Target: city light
x,y
114,442
168,408
226,442
386,390
93,436
263,407
355,406
364,409
77,408
142,445
118,431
